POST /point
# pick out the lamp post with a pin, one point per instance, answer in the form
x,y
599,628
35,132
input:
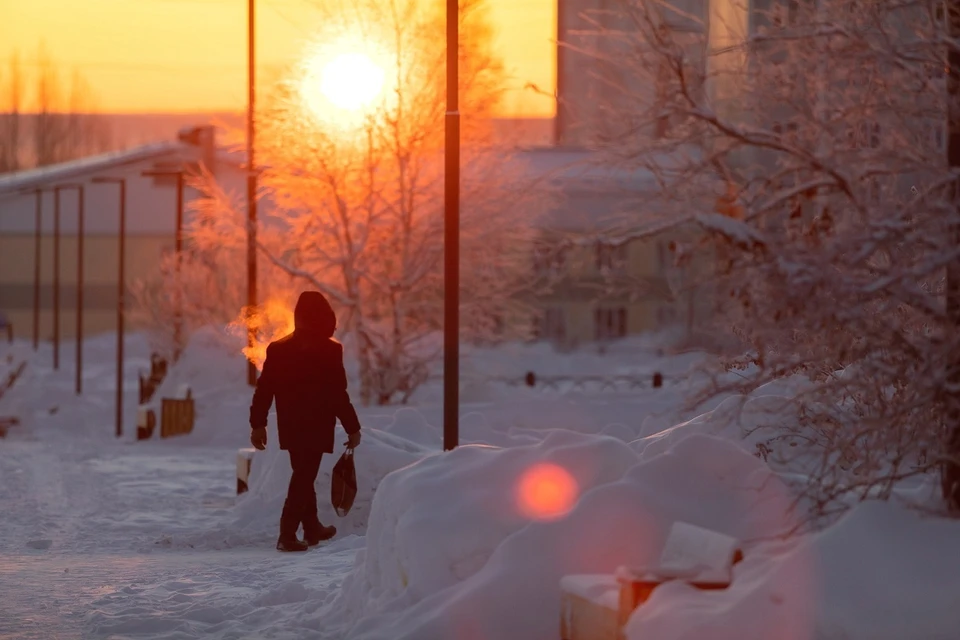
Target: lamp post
x,y
121,292
38,215
451,236
178,247
56,275
251,184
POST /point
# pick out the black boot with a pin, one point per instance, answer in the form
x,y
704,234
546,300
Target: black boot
x,y
318,534
285,543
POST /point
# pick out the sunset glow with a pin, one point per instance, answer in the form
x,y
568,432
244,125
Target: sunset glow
x,y
344,81
181,56
352,81
546,491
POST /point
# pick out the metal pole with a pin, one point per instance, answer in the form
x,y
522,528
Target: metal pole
x,y
451,237
121,293
178,244
251,183
36,268
56,279
80,216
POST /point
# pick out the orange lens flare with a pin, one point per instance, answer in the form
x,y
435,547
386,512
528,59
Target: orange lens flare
x,y
546,491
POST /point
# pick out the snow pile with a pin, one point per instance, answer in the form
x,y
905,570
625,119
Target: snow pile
x,y
213,367
45,399
883,572
451,553
436,523
748,421
380,453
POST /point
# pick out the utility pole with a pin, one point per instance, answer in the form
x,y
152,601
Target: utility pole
x,y
951,468
121,293
37,241
79,299
451,236
251,184
56,279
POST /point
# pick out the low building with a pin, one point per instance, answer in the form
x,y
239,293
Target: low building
x,y
594,289
29,206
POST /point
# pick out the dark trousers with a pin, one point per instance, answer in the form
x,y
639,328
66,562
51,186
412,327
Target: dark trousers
x,y
301,504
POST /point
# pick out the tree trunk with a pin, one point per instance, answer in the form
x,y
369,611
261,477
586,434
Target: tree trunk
x,y
950,472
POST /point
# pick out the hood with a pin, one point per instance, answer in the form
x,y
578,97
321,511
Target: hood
x,y
314,316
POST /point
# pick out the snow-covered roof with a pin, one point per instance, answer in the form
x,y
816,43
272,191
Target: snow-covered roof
x,y
46,176
20,181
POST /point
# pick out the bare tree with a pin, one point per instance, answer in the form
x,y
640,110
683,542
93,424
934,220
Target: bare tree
x,y
805,142
352,205
65,125
10,121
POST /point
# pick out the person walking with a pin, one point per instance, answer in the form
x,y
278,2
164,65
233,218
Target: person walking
x,y
304,372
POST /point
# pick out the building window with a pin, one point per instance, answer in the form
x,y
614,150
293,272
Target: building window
x,y
549,260
666,316
611,257
551,325
610,324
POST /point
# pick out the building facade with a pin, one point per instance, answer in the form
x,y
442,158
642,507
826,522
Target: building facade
x,y
30,200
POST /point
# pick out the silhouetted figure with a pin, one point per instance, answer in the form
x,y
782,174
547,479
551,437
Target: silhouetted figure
x,y
657,380
531,379
304,372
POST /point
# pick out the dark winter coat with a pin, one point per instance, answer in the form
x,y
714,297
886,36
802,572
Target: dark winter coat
x,y
304,372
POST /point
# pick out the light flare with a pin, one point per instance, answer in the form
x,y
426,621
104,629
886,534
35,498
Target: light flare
x,y
268,322
546,491
344,81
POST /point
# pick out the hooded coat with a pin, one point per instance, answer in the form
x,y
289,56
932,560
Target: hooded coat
x,y
304,373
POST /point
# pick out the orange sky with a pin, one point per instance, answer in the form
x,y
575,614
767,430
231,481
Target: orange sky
x,y
190,55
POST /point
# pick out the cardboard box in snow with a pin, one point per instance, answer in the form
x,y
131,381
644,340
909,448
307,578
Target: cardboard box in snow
x,y
598,607
244,464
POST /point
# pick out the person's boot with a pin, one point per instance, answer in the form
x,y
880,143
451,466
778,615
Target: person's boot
x,y
287,543
318,533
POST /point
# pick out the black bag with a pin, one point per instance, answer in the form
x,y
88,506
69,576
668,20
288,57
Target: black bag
x,y
343,485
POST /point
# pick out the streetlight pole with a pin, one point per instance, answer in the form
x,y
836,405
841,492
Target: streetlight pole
x,y
37,238
56,279
79,300
451,236
251,183
121,293
178,248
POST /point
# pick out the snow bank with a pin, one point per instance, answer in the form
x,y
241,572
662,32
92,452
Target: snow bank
x,y
213,367
379,454
882,573
449,551
436,523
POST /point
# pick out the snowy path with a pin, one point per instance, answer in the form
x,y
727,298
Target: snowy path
x,y
95,543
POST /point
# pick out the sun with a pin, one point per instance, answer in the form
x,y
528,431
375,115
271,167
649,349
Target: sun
x,y
342,81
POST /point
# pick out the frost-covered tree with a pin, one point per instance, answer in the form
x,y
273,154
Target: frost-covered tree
x,y
352,199
806,142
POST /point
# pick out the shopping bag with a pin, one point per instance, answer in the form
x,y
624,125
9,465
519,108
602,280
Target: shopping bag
x,y
343,487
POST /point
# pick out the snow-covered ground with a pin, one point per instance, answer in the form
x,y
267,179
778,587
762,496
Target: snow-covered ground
x,y
111,538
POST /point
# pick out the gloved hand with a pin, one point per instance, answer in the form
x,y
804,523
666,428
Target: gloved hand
x,y
258,438
353,439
